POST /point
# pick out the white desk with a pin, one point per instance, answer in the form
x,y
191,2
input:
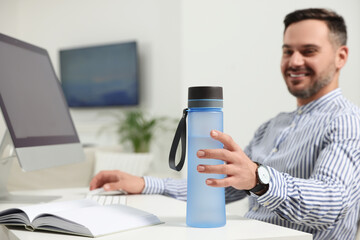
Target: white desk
x,y
170,211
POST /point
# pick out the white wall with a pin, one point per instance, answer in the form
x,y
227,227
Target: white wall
x,y
8,16
232,43
60,24
237,45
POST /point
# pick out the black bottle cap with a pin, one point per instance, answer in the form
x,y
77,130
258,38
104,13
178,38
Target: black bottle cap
x,y
205,96
205,93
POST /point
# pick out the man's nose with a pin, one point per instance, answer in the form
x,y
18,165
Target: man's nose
x,y
296,60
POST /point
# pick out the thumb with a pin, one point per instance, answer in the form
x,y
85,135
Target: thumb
x,y
112,186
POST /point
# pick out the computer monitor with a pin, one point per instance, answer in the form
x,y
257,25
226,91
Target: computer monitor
x,y
39,125
100,76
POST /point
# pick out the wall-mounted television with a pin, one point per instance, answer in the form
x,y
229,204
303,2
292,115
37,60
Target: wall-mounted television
x,y
100,76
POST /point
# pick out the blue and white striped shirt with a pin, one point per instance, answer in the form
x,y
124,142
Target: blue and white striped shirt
x,y
313,155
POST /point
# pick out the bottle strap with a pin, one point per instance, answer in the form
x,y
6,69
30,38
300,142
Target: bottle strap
x,y
180,134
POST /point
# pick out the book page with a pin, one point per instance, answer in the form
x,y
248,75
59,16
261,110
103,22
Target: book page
x,y
54,207
13,216
101,220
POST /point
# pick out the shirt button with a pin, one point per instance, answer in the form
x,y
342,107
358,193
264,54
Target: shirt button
x,y
266,204
255,208
299,111
274,150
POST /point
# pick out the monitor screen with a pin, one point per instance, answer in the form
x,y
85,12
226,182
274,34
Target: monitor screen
x,y
99,76
34,107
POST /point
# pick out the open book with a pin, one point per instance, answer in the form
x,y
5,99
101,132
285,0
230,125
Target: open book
x,y
80,217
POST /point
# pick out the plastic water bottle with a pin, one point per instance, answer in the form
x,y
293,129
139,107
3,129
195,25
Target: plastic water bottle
x,y
205,204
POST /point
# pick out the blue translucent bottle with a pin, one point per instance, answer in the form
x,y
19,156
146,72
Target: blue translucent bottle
x,y
205,204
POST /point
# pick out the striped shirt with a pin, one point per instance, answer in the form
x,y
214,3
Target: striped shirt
x,y
313,155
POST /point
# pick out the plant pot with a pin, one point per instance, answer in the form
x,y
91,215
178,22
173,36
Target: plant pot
x,y
134,163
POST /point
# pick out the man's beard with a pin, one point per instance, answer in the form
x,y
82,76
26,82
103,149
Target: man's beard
x,y
315,86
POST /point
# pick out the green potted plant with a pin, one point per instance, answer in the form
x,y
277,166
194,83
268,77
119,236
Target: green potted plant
x,y
136,131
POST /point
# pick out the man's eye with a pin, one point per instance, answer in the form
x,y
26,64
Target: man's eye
x,y
287,52
309,51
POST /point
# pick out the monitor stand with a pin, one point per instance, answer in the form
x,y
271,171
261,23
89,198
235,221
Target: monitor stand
x,y
7,156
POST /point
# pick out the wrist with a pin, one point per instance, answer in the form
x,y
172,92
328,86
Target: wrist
x,y
153,185
254,175
262,180
141,185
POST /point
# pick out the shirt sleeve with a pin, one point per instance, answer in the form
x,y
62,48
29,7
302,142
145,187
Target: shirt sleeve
x,y
331,190
176,188
256,139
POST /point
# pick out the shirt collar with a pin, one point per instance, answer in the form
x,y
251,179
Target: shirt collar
x,y
318,103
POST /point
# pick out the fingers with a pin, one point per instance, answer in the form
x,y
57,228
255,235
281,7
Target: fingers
x,y
95,182
112,186
226,182
232,181
239,177
225,169
221,154
238,167
225,139
102,178
226,154
118,180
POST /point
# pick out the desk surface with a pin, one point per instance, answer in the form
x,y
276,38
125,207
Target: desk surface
x,y
172,212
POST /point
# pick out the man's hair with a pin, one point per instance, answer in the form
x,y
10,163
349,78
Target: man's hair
x,y
335,22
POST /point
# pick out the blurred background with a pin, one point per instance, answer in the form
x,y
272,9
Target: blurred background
x,y
181,43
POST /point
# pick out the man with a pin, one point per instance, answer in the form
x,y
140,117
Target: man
x,y
301,169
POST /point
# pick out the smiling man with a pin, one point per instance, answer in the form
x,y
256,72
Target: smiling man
x,y
312,57
302,168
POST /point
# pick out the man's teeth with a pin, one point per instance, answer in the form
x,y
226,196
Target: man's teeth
x,y
297,75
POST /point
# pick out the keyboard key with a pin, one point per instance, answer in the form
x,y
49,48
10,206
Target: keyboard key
x,y
107,200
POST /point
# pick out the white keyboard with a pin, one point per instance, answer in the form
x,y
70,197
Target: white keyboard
x,y
107,199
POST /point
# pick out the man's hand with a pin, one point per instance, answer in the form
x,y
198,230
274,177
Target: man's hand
x,y
118,180
240,170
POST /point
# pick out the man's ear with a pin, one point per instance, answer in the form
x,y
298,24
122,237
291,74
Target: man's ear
x,y
341,56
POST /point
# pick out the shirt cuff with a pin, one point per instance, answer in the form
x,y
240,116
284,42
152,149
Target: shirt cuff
x,y
153,185
277,192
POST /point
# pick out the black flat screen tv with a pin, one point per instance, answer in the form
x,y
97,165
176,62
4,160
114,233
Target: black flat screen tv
x,y
100,76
